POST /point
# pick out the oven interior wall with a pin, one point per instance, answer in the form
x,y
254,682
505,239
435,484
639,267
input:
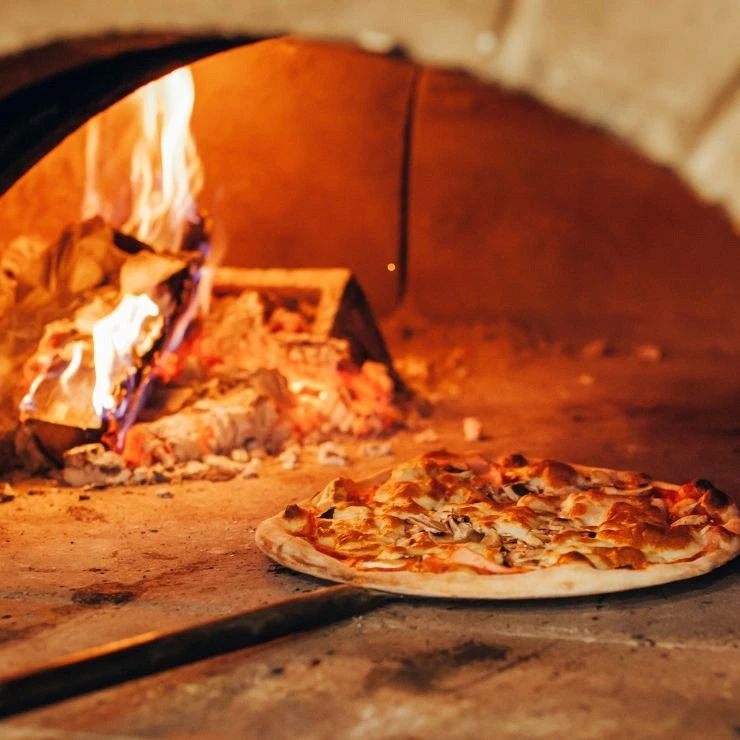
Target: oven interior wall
x,y
491,205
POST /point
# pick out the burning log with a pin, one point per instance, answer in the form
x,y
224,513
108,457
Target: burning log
x,y
324,303
38,281
215,426
130,303
316,327
149,300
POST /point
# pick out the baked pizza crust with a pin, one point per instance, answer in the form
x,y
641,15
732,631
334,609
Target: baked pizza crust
x,y
557,581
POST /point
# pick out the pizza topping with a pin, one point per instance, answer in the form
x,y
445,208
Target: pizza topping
x,y
520,489
466,556
693,520
339,491
701,484
557,475
541,502
297,520
354,514
444,512
428,524
616,557
514,461
733,525
715,501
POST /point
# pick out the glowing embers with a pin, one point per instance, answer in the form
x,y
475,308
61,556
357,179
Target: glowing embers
x,y
264,370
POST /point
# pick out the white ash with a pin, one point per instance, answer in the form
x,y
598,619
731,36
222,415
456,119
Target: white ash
x,y
93,464
158,473
240,455
649,353
290,457
218,425
426,436
376,449
472,429
224,465
143,475
251,469
331,453
164,493
192,469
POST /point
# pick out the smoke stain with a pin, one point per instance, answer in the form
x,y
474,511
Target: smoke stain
x,y
425,671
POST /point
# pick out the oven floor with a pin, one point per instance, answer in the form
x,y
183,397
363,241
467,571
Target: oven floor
x,y
84,568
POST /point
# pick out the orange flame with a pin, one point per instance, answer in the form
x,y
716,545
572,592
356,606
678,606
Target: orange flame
x,y
115,338
166,173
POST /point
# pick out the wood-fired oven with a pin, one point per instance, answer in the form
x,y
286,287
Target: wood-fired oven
x,y
462,224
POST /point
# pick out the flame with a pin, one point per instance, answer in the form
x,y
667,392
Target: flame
x,y
145,141
74,365
166,173
115,338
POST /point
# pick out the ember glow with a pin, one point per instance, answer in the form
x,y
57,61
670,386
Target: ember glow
x,y
116,339
166,173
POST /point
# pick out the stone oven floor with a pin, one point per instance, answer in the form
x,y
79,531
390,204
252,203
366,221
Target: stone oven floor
x,y
663,662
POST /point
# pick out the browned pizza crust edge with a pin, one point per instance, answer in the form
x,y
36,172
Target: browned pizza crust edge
x,y
552,582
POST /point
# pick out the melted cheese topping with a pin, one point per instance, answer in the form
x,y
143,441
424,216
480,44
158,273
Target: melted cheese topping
x,y
444,512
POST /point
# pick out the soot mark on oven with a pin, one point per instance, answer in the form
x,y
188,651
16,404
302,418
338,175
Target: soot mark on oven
x,y
85,514
435,669
101,594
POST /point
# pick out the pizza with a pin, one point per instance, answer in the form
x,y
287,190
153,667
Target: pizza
x,y
463,526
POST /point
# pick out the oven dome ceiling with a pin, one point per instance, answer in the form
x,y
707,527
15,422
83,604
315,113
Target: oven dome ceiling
x,y
665,76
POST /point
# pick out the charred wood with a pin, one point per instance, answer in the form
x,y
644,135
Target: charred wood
x,y
91,267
